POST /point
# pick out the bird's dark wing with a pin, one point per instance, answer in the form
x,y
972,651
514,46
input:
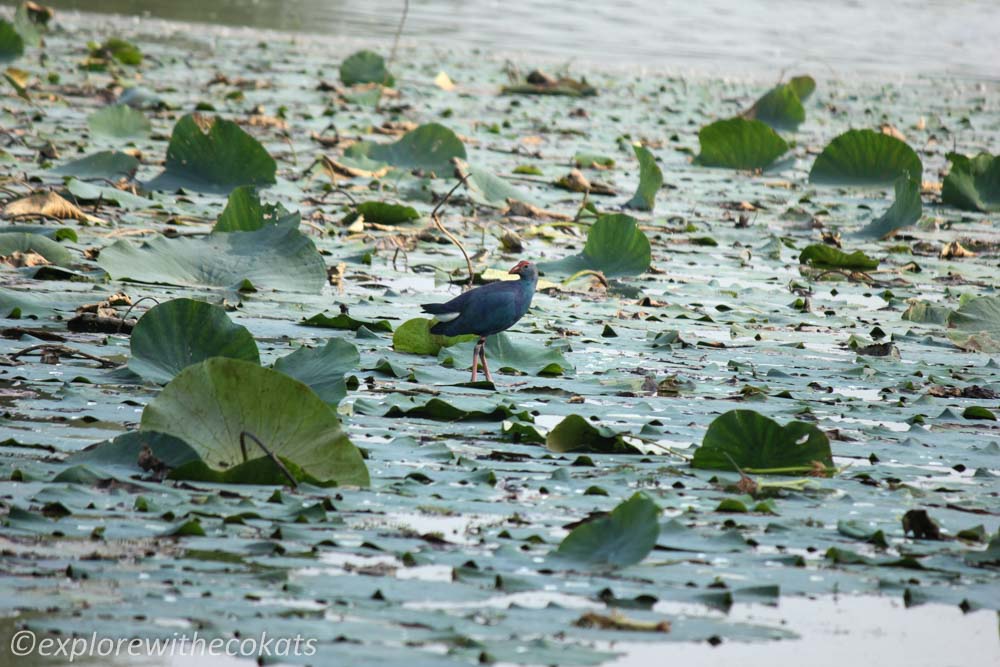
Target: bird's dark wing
x,y
458,304
483,312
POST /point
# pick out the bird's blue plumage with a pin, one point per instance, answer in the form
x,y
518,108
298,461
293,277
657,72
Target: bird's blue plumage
x,y
486,310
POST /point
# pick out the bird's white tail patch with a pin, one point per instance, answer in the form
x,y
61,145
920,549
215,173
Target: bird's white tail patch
x,y
446,317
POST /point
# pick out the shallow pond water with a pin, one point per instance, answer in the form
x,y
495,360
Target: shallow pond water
x,y
843,36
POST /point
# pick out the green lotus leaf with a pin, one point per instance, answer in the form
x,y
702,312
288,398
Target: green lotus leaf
x,y
973,184
738,143
615,246
865,157
210,404
650,180
178,333
621,538
758,444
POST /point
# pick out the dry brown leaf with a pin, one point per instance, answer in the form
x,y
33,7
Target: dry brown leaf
x,y
618,621
955,249
19,259
334,169
886,128
520,209
48,204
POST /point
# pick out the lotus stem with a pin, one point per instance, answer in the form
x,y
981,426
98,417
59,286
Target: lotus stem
x,y
277,461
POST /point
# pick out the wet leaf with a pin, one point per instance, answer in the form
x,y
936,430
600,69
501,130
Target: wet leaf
x,y
973,184
208,405
650,180
738,143
178,333
430,147
213,155
615,246
345,321
758,444
119,121
866,158
622,538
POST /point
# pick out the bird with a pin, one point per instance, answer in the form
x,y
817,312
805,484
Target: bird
x,y
486,310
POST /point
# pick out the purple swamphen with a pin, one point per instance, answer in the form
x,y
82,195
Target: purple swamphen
x,y
486,310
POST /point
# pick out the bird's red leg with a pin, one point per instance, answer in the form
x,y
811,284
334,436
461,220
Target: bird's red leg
x,y
475,359
482,355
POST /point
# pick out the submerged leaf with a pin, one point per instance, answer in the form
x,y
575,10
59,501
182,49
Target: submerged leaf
x,y
650,180
208,405
865,157
615,247
738,143
622,538
178,333
758,444
213,155
973,184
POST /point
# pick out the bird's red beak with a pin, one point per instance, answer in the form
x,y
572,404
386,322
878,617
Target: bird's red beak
x,y
517,268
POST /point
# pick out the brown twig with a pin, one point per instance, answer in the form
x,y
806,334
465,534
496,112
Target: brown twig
x,y
399,33
67,351
437,222
277,461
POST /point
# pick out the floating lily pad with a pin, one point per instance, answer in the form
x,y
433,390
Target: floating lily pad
x,y
208,405
978,324
493,190
758,444
622,538
274,257
244,212
345,321
384,213
823,256
365,67
178,333
650,180
322,368
905,211
119,121
11,43
106,193
615,246
109,165
119,49
738,143
213,155
415,337
505,352
577,434
865,157
429,147
455,409
973,184
52,251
